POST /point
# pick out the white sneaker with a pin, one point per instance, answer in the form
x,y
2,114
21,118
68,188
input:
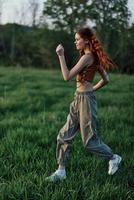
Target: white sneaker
x,y
56,177
114,164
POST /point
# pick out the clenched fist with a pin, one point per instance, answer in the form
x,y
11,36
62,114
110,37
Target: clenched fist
x,y
60,50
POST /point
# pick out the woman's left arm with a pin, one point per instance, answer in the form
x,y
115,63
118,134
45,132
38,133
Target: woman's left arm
x,y
69,74
103,81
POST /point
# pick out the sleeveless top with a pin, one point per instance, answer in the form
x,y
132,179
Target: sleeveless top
x,y
87,73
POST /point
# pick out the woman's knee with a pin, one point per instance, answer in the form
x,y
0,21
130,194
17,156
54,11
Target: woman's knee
x,y
60,138
90,143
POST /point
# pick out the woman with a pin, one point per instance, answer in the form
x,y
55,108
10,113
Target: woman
x,y
82,115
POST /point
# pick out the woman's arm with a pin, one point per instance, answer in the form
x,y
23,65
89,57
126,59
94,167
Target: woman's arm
x,y
64,69
103,81
69,74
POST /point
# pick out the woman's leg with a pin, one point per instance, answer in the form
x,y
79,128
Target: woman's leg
x,y
87,110
66,135
64,142
88,116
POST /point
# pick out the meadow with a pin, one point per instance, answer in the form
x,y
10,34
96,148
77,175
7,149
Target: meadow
x,y
34,105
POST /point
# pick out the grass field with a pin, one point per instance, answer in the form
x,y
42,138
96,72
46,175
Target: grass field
x,y
33,107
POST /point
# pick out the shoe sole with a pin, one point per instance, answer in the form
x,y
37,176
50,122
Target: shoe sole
x,y
119,161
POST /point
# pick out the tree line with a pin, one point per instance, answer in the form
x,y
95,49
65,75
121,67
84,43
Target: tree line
x,y
35,45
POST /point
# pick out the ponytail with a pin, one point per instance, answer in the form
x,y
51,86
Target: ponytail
x,y
102,59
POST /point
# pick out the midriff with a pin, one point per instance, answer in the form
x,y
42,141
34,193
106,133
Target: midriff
x,y
84,86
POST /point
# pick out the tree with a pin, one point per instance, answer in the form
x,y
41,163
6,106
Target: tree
x,y
126,57
67,14
111,18
1,7
34,8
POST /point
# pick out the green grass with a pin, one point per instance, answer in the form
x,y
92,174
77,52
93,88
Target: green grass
x,y
33,107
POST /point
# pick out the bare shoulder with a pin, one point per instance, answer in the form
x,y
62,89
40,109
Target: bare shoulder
x,y
88,58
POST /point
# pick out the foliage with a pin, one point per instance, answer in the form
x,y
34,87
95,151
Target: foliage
x,y
35,46
67,15
32,46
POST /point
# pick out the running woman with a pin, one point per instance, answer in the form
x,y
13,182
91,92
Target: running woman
x,y
83,109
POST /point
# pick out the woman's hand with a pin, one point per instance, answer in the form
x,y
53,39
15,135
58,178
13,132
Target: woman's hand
x,y
60,50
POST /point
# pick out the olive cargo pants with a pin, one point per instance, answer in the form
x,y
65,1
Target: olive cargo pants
x,y
82,116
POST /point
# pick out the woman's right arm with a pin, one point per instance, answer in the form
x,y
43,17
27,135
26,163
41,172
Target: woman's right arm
x,y
103,81
69,74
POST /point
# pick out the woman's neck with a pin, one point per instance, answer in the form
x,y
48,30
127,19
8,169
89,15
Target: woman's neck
x,y
87,51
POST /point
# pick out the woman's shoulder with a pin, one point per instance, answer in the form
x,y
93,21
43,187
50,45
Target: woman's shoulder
x,y
88,58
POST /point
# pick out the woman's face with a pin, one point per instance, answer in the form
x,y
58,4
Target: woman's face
x,y
80,42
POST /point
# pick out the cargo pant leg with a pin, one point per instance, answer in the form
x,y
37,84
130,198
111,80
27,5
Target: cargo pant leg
x,y
88,117
67,134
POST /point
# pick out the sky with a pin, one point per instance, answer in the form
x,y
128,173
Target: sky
x,y
17,11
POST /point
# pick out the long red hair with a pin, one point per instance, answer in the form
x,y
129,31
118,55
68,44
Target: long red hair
x,y
96,48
